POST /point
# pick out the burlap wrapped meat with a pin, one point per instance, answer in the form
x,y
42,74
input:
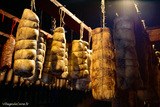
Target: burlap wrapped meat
x,y
58,44
57,51
25,54
59,34
106,54
28,23
26,44
29,15
78,61
99,33
103,65
76,67
77,45
26,33
41,46
80,54
41,52
24,67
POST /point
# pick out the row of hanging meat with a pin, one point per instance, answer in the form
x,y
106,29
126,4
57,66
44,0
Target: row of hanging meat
x,y
112,63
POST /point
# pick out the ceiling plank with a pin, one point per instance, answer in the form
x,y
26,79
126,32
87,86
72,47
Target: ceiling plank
x,y
16,19
53,7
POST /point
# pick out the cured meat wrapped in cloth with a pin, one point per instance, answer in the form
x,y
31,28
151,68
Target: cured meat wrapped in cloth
x,y
7,54
47,76
41,51
84,84
58,51
26,44
103,65
128,75
78,62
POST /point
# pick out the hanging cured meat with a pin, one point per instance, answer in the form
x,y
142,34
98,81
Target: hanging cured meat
x,y
128,76
26,44
40,57
65,73
85,83
78,61
7,53
47,77
58,51
103,65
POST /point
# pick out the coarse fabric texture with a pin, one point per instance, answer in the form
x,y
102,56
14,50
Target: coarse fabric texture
x,y
25,54
26,33
78,64
29,15
7,54
59,35
28,23
41,49
58,51
128,75
46,75
26,44
103,65
24,67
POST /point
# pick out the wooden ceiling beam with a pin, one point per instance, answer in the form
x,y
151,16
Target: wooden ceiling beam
x,y
4,34
53,7
16,19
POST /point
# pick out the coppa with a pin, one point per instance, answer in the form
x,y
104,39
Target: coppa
x,y
103,65
27,34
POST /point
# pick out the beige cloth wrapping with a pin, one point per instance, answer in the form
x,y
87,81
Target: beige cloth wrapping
x,y
28,23
103,65
29,15
78,64
58,51
26,44
24,67
25,33
25,54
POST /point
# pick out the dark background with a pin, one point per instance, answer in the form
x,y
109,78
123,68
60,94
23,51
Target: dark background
x,y
88,11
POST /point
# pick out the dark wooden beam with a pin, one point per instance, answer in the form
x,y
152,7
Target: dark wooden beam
x,y
52,7
14,18
4,34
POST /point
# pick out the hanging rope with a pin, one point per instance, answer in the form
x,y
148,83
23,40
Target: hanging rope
x,y
62,15
53,23
81,31
33,5
103,12
90,36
